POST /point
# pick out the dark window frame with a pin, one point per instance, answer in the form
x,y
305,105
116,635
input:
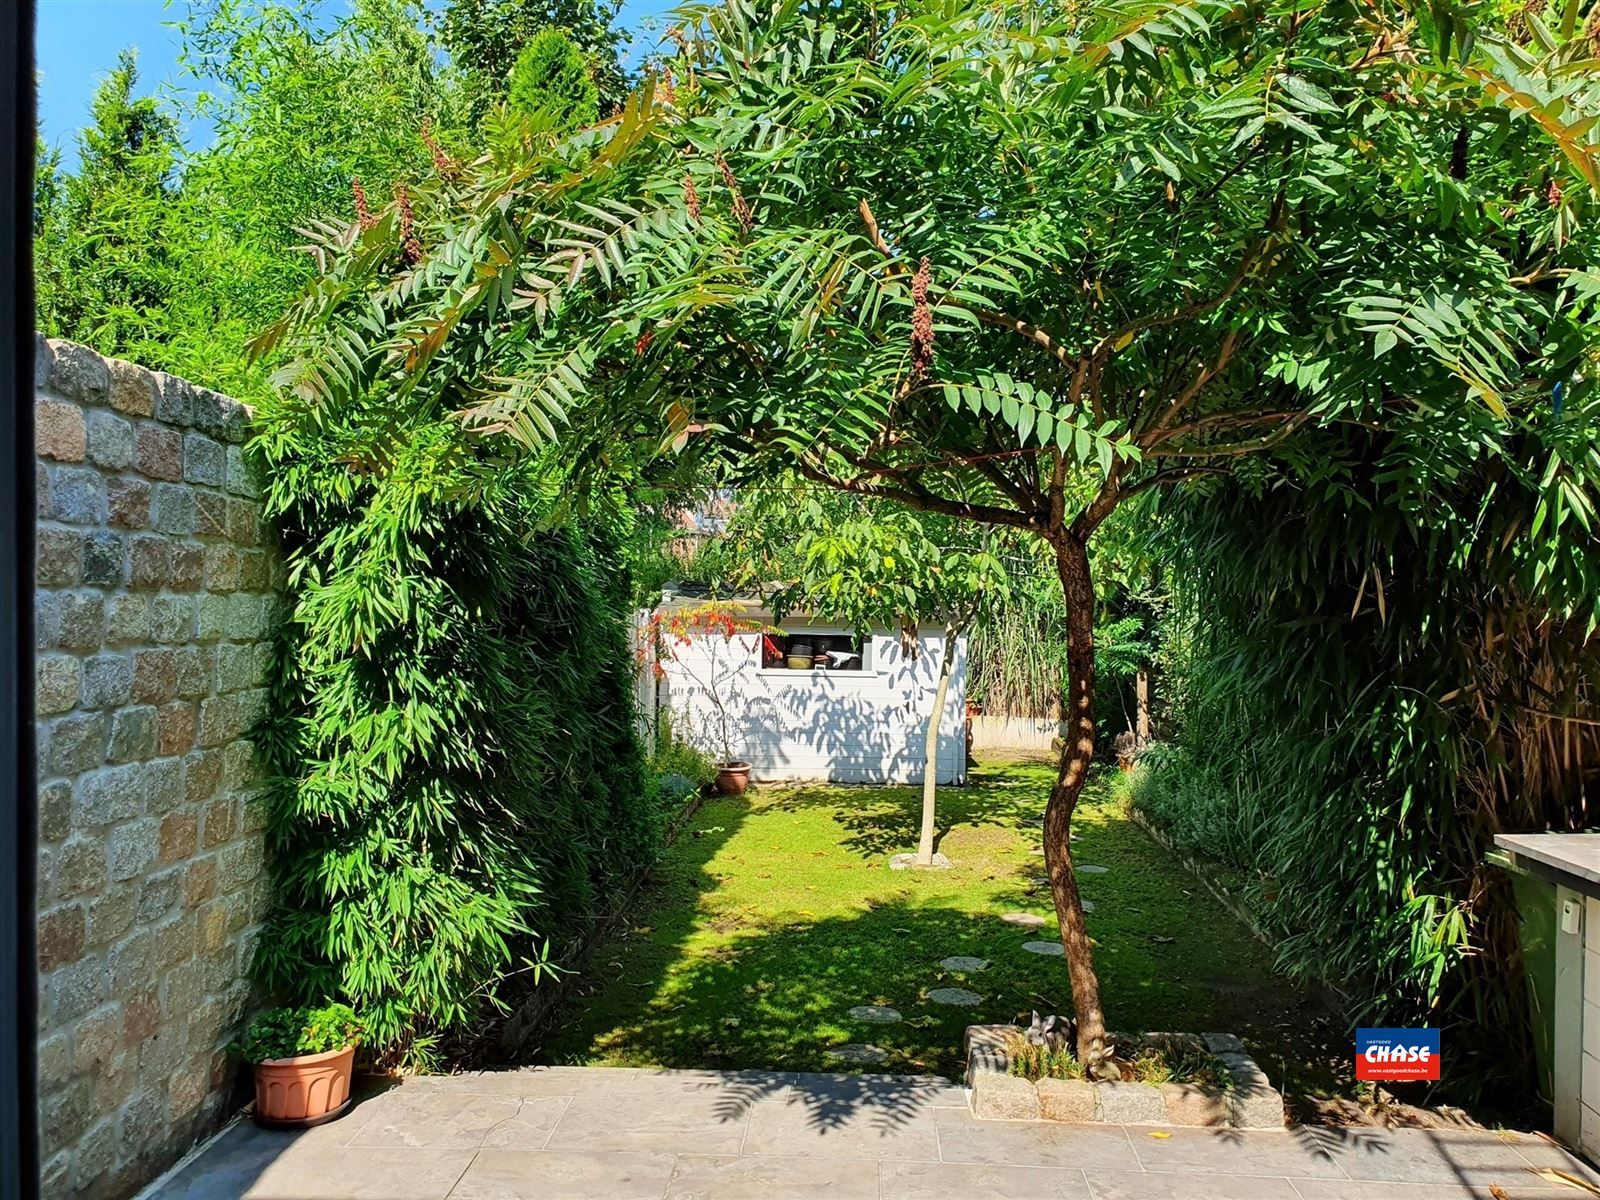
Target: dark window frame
x,y
19,1143
823,639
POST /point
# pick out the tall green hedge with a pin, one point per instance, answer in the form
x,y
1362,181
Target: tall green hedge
x,y
1372,673
456,786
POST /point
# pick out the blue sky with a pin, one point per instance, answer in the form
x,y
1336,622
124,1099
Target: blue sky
x,y
78,41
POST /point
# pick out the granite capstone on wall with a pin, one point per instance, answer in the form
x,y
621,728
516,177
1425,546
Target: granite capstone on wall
x,y
155,591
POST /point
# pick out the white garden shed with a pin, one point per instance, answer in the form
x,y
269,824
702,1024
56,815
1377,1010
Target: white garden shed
x,y
807,700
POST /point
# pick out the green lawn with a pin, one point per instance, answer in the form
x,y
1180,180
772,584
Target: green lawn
x,y
776,912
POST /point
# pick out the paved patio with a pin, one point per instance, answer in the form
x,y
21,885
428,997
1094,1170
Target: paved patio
x,y
623,1134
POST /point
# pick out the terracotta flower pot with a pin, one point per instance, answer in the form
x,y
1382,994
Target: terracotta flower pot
x,y
296,1093
733,779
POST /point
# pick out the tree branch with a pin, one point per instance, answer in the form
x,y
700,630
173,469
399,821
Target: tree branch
x,y
988,466
1265,442
1163,478
914,495
875,235
1217,421
1103,504
1115,341
1058,490
1033,334
991,471
1230,341
1000,320
1539,275
1216,185
897,268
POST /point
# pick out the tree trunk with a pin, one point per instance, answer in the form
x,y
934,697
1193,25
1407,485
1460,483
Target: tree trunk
x,y
1142,692
930,745
1077,585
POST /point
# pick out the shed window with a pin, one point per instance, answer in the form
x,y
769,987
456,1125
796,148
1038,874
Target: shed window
x,y
812,651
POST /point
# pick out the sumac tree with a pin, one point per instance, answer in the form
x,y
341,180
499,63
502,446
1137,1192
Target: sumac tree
x,y
1012,265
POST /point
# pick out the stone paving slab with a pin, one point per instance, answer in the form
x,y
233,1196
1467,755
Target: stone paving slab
x,y
627,1134
505,1174
1317,1190
1292,1153
945,1181
445,1122
869,1131
758,1178
964,1139
1141,1185
711,1121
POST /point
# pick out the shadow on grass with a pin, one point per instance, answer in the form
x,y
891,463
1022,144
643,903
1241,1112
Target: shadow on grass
x,y
886,820
651,936
773,992
766,1005
778,996
773,1002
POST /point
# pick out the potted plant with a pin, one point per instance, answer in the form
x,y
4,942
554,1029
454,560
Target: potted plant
x,y
711,627
302,1059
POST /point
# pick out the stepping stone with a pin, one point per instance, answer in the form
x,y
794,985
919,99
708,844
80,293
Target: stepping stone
x,y
1092,870
962,962
905,862
1048,948
1026,920
959,997
876,1014
858,1054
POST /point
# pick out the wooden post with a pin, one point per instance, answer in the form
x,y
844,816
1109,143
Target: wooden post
x,y
1142,690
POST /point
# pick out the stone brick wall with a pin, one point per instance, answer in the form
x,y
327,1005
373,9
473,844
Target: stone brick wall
x,y
155,590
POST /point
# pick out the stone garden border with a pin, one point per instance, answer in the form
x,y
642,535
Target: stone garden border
x,y
997,1095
